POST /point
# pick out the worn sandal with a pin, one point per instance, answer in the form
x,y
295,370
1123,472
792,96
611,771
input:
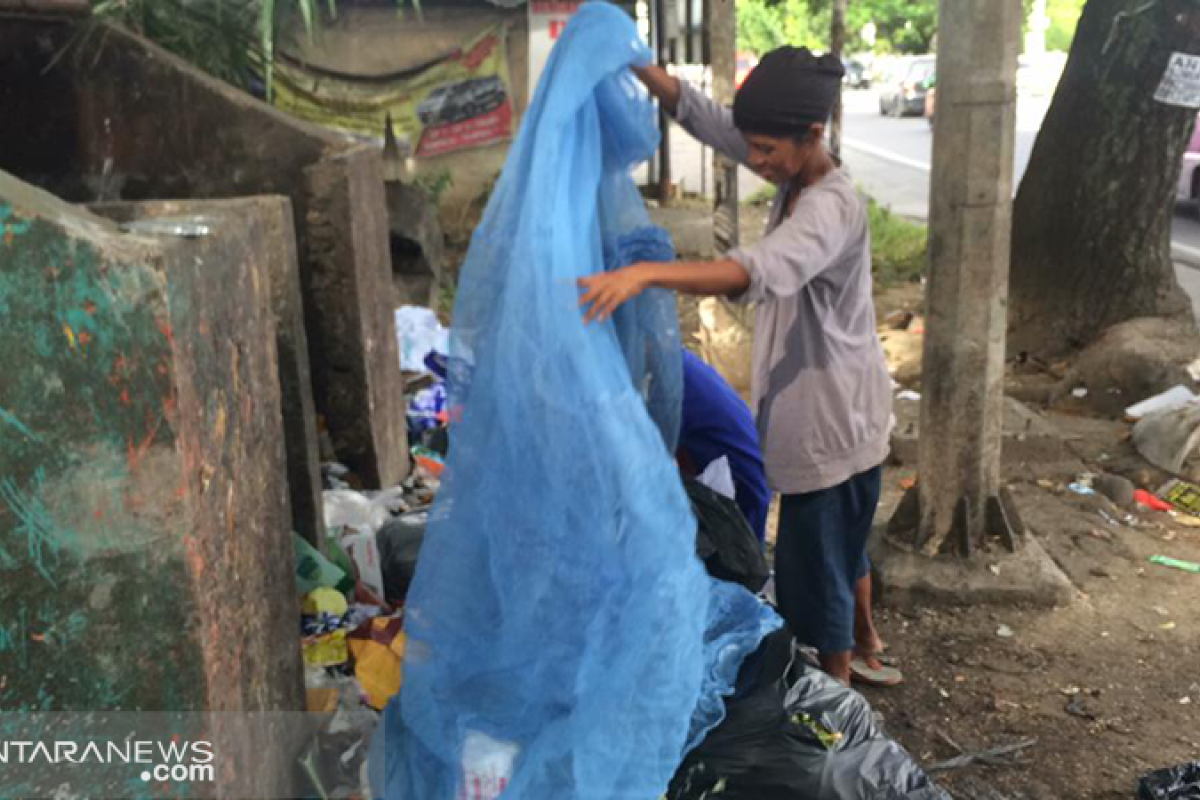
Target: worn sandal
x,y
883,677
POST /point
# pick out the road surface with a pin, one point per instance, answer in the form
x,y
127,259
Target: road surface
x,y
890,159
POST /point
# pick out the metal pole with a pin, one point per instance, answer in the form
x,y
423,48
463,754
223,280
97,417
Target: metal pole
x,y
664,121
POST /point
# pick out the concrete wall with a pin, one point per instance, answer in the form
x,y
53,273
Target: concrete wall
x,y
373,41
272,222
145,554
117,118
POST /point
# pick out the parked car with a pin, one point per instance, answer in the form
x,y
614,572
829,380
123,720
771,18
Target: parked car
x,y
857,76
1188,188
456,102
903,94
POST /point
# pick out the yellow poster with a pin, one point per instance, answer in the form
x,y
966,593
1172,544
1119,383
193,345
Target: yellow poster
x,y
460,101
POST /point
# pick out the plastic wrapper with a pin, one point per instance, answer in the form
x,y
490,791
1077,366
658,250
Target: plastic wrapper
x,y
314,570
378,647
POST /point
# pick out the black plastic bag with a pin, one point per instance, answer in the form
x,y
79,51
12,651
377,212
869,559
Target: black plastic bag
x,y
725,541
793,733
1174,783
399,542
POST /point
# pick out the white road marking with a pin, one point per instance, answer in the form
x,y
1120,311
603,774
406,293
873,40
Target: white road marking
x,y
885,154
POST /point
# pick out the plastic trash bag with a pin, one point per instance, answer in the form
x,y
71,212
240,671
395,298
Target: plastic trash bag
x,y
399,546
1173,783
794,733
359,511
419,333
558,606
724,540
1167,438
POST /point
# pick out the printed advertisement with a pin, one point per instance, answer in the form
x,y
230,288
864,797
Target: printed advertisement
x,y
459,102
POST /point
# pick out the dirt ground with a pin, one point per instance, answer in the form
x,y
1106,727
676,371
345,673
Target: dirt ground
x,y
1108,686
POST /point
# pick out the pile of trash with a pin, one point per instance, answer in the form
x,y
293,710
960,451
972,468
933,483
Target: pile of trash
x,y
353,591
562,638
424,359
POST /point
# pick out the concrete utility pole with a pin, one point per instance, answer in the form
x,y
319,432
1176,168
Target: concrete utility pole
x,y
722,52
837,45
959,506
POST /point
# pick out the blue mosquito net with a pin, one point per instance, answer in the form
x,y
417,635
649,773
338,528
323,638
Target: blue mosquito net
x,y
563,639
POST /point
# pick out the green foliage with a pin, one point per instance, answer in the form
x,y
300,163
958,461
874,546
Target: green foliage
x,y
763,195
898,246
220,37
436,184
902,26
234,40
1064,18
764,25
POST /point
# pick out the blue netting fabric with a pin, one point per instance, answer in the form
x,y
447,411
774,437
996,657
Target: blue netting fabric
x,y
563,639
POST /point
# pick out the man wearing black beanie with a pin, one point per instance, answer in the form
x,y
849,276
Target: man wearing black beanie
x,y
821,390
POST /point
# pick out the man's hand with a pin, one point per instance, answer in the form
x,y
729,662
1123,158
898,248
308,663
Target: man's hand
x,y
605,292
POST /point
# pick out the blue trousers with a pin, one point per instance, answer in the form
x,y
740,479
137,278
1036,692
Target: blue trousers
x,y
820,553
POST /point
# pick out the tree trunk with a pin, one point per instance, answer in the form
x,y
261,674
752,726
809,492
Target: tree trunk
x,y
1091,239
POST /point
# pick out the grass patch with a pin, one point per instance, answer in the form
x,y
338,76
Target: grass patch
x,y
898,247
763,195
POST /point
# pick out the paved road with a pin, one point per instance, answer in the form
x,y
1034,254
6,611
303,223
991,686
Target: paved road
x,y
890,159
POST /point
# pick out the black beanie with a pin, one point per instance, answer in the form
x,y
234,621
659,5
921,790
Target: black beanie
x,y
789,90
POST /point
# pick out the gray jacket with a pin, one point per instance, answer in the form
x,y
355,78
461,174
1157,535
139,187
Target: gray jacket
x,y
821,391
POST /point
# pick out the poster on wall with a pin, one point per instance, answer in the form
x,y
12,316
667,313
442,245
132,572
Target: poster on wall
x,y
547,18
456,103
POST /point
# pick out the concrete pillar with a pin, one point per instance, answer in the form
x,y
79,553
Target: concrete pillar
x,y
347,275
959,508
117,118
970,222
146,560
